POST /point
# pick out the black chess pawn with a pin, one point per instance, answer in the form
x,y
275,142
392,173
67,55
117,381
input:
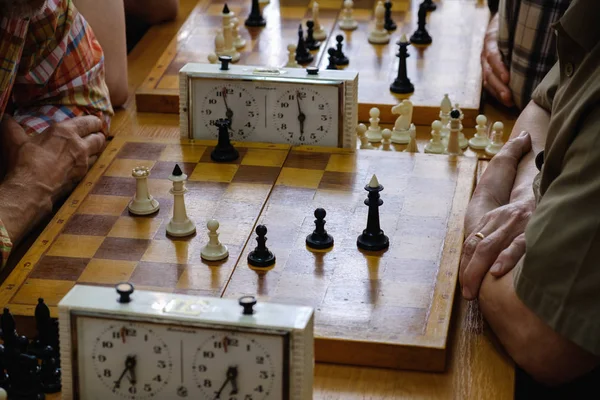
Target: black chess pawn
x,y
224,150
340,57
402,84
430,5
50,372
303,56
261,256
373,238
4,381
9,331
389,24
310,41
43,326
421,36
319,239
332,60
25,383
255,18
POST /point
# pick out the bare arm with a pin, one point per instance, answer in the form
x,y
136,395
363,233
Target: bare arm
x,y
152,11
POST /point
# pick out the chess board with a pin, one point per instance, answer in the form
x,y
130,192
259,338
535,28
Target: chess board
x,y
387,309
449,65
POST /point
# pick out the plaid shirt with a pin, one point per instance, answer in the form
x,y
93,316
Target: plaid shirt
x,y
527,42
51,69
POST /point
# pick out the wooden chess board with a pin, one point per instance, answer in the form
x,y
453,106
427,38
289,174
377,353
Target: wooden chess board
x,y
449,65
387,309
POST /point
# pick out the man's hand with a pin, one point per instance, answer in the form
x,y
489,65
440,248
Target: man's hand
x,y
495,74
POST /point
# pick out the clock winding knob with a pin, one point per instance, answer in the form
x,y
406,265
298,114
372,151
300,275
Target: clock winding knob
x,y
312,70
225,60
124,289
248,303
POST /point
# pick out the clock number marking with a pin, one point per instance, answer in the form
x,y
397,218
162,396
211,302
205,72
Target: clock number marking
x,y
223,101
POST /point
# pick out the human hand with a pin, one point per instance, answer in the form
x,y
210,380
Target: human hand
x,y
495,73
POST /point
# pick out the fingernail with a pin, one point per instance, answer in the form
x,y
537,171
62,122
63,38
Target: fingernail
x,y
496,268
466,293
523,133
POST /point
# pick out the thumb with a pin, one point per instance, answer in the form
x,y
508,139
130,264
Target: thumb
x,y
13,134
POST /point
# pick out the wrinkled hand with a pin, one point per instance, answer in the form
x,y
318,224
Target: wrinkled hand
x,y
56,159
495,73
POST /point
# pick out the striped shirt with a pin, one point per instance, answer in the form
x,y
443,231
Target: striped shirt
x,y
51,69
527,42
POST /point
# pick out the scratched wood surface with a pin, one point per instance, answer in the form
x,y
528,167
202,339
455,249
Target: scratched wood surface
x,y
449,65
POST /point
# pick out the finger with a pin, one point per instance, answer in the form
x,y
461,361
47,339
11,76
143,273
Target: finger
x,y
85,125
514,149
509,257
13,133
94,144
494,59
470,245
91,161
503,91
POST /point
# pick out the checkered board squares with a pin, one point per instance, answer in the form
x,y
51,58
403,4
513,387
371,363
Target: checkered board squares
x,y
372,308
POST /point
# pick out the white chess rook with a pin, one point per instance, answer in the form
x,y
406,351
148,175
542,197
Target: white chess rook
x,y
180,225
214,250
142,203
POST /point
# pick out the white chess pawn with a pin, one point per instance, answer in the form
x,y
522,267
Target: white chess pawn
x,y
361,131
462,140
238,41
3,395
319,32
412,144
480,140
212,58
453,147
348,23
435,145
379,35
219,43
445,108
214,250
180,225
374,131
386,136
292,63
496,143
142,203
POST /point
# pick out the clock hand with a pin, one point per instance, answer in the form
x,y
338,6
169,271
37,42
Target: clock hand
x,y
132,364
232,374
127,367
301,115
218,394
228,112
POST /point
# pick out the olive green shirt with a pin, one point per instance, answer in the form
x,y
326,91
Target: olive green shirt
x,y
559,276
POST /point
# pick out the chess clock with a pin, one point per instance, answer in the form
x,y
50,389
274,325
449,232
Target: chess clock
x,y
151,345
274,105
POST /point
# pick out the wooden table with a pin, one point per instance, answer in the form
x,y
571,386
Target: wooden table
x,y
476,367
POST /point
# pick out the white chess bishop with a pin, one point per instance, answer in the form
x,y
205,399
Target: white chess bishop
x,y
180,225
401,132
480,140
374,131
142,203
496,143
435,145
379,35
228,36
445,108
214,249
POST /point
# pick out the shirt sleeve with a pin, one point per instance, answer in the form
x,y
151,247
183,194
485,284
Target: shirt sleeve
x,y
61,71
559,276
543,95
5,245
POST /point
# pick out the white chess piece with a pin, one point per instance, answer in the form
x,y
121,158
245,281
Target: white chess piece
x,y
386,135
379,35
3,395
212,58
445,108
480,140
142,203
214,250
264,1
400,134
453,147
462,140
348,23
374,131
229,48
412,145
180,225
496,143
292,63
238,41
319,32
219,43
457,107
435,145
361,131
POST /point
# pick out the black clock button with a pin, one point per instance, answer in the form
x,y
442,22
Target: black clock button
x,y
248,303
124,289
312,70
225,60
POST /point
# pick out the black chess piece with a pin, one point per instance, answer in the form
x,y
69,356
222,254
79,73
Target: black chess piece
x,y
4,378
402,84
310,41
319,239
421,36
340,57
224,150
332,60
50,372
261,256
430,5
25,383
373,238
9,331
43,326
255,18
303,56
389,24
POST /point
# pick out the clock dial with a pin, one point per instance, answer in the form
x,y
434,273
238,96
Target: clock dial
x,y
234,366
234,102
131,360
302,115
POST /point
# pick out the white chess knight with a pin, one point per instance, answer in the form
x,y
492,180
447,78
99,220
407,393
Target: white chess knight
x,y
238,41
496,143
180,225
445,108
374,131
379,35
228,39
401,134
412,145
319,32
348,23
480,140
142,203
291,62
214,249
361,132
435,145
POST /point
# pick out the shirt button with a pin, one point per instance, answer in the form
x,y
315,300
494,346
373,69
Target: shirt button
x,y
569,69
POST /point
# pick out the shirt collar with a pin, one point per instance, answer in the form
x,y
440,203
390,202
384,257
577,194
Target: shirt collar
x,y
580,22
